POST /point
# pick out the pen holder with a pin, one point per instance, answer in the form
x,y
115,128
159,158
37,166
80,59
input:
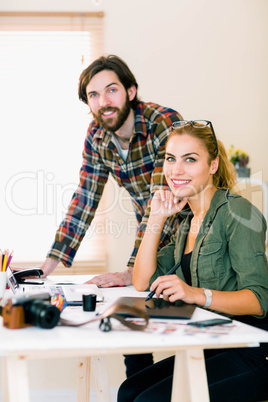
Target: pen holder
x,y
3,282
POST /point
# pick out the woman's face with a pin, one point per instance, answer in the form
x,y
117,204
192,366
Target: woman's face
x,y
186,166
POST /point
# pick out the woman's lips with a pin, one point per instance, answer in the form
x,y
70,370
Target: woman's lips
x,y
180,183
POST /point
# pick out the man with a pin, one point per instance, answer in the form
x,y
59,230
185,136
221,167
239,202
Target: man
x,y
126,139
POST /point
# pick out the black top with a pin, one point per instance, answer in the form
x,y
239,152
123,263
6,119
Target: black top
x,y
185,266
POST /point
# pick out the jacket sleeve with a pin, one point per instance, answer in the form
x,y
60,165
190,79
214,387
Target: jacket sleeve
x,y
245,231
83,205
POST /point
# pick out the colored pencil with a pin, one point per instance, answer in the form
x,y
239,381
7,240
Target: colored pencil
x,y
4,263
9,260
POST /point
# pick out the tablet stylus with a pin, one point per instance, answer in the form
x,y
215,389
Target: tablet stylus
x,y
173,269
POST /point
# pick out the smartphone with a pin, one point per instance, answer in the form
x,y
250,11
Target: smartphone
x,y
209,323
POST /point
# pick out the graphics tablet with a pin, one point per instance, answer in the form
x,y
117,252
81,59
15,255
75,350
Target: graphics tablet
x,y
159,308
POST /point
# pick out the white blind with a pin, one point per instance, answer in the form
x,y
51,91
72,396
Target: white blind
x,y
43,125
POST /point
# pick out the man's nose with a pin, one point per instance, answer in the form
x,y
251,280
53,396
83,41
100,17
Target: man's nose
x,y
104,100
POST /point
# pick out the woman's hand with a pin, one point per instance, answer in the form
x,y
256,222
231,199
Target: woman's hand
x,y
164,203
173,288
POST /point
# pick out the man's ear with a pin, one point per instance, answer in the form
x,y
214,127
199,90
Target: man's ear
x,y
214,165
131,92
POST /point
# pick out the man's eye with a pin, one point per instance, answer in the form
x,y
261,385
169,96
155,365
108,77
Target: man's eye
x,y
112,90
92,96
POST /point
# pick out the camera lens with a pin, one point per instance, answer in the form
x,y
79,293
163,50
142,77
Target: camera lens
x,y
42,314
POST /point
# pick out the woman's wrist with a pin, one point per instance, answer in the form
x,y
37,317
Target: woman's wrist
x,y
200,298
155,225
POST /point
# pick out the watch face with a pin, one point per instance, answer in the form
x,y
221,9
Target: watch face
x,y
208,292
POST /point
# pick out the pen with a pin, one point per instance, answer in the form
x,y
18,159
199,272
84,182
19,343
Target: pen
x,y
173,269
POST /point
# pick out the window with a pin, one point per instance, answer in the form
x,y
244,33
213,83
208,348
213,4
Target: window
x,y
43,126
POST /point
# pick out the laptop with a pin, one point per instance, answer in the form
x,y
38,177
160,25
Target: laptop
x,y
159,308
73,293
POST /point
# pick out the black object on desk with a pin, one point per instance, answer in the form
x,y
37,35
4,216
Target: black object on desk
x,y
26,273
89,302
158,308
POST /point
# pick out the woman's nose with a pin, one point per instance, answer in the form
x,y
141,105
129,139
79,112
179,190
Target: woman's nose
x,y
178,168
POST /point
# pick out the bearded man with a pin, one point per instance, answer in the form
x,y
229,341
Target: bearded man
x,y
125,139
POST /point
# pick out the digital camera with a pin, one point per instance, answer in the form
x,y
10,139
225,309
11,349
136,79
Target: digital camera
x,y
26,311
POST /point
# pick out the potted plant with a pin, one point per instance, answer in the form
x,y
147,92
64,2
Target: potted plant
x,y
240,159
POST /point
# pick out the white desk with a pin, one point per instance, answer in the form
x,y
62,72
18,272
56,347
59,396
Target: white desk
x,y
91,346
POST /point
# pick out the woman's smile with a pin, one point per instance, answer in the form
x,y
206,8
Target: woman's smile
x,y
179,183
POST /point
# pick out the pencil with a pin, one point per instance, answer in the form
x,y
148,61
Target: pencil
x,y
173,269
4,262
9,259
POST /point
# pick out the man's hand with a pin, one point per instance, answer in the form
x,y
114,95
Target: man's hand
x,y
48,266
112,279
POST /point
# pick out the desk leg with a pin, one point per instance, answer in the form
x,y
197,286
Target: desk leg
x,y
101,378
99,368
17,379
190,379
4,380
83,383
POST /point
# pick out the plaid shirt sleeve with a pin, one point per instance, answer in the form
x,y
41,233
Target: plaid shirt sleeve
x,y
82,208
157,182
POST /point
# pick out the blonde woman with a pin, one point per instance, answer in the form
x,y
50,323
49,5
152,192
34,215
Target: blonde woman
x,y
220,245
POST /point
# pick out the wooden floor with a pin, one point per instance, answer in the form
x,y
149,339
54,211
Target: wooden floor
x,y
62,395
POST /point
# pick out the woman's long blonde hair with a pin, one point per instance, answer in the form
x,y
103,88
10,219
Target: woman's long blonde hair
x,y
225,177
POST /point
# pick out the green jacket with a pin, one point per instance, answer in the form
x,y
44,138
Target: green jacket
x,y
229,251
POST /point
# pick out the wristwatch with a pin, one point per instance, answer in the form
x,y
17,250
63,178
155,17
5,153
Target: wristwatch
x,y
208,294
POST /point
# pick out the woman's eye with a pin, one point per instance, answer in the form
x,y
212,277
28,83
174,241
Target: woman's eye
x,y
190,159
170,159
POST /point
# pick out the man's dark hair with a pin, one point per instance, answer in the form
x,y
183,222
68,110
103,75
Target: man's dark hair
x,y
113,63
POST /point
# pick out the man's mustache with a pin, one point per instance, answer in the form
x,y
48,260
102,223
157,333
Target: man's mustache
x,y
107,109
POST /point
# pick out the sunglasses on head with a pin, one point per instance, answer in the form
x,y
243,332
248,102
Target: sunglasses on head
x,y
197,124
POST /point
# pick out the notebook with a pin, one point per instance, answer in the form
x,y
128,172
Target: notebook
x,y
159,308
72,293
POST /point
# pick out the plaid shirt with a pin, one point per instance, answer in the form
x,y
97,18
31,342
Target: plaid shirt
x,y
141,175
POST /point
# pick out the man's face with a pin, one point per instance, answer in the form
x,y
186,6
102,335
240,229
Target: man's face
x,y
108,100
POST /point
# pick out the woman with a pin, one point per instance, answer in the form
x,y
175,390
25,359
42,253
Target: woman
x,y
221,246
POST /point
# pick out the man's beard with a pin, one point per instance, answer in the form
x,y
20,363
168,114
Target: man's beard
x,y
121,118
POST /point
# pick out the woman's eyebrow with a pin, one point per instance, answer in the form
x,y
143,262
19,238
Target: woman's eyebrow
x,y
189,153
183,156
168,153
